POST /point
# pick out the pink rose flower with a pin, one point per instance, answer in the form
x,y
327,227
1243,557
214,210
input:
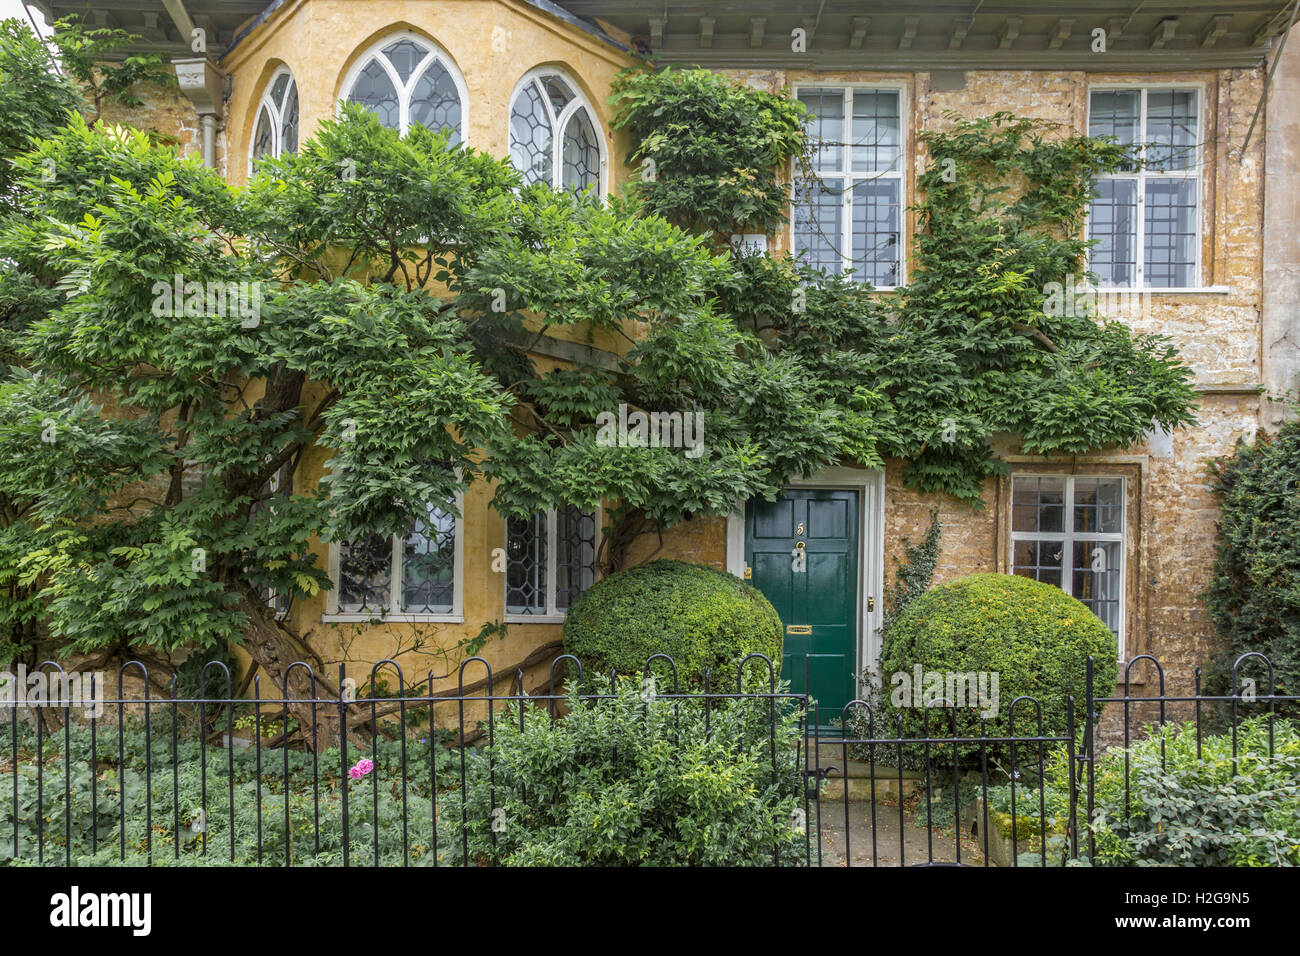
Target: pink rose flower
x,y
363,767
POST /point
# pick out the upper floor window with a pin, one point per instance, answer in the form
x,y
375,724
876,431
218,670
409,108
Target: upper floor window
x,y
550,560
407,81
553,139
1145,218
1069,531
276,132
849,214
413,574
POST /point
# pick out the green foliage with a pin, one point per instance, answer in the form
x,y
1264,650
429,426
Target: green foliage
x,y
915,572
1034,636
630,781
1254,594
711,152
122,794
700,617
1190,803
1203,811
966,351
395,278
34,99
91,57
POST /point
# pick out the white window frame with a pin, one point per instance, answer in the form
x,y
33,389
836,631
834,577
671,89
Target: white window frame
x,y
277,118
553,614
559,121
851,178
1141,175
390,615
1068,535
436,52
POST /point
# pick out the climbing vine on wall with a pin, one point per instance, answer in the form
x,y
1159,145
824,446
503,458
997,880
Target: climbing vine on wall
x,y
971,348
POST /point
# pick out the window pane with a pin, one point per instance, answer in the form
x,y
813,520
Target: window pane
x,y
1116,113
277,90
1112,223
558,92
817,230
581,153
526,565
1098,504
429,564
405,56
1171,129
435,102
1097,568
575,554
876,131
876,247
825,128
375,91
365,573
1038,505
1170,232
289,123
1040,560
264,137
530,136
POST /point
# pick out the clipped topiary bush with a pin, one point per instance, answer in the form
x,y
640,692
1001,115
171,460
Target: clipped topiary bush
x,y
699,616
1032,636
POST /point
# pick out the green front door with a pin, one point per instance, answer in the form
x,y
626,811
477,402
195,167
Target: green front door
x,y
803,552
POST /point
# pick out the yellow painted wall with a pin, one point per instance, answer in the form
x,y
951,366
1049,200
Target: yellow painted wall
x,y
493,44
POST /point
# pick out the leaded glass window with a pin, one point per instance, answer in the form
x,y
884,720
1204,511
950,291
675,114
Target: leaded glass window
x,y
413,574
848,215
553,138
1068,531
407,82
276,130
1144,220
550,560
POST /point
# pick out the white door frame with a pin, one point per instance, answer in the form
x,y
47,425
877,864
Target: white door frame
x,y
870,486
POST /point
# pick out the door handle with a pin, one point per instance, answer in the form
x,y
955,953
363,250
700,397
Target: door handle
x,y
798,628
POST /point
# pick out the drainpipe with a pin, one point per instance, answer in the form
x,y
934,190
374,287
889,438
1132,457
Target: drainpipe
x,y
209,123
201,82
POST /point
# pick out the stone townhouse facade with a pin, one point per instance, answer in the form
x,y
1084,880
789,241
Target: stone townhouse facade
x,y
1201,247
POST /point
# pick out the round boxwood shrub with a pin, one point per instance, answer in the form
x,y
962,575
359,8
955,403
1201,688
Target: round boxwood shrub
x,y
698,616
1033,636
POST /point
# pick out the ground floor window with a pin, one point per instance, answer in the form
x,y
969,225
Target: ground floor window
x,y
411,574
550,560
1069,531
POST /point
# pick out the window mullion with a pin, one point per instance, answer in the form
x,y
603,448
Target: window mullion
x,y
551,551
846,183
395,585
1067,550
1142,194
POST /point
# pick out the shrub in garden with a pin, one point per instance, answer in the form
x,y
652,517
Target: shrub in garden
x,y
699,616
1033,636
174,813
1254,595
1185,808
1200,811
632,780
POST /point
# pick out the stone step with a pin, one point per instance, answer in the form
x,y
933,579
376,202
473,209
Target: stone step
x,y
856,775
